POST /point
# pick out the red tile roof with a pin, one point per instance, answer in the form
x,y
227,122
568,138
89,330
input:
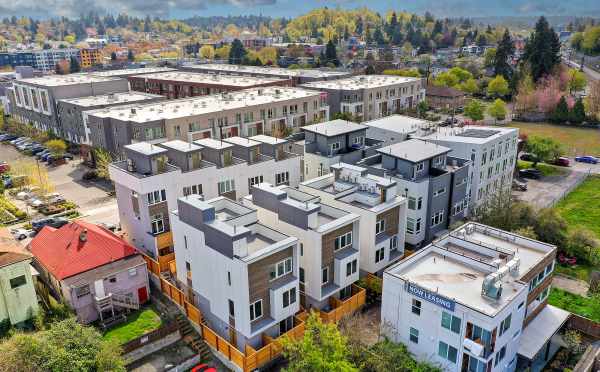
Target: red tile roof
x,y
64,253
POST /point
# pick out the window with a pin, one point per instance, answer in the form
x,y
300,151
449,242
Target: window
x,y
451,322
231,309
379,254
437,218
255,180
324,275
447,351
158,225
410,225
521,305
414,335
281,268
419,167
393,243
501,354
301,275
351,268
412,203
335,146
256,310
133,271
379,226
475,365
194,189
439,192
18,281
289,297
343,241
226,186
505,324
157,196
229,278
416,306
281,178
358,140
81,291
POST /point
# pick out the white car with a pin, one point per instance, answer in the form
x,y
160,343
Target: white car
x,y
21,234
24,195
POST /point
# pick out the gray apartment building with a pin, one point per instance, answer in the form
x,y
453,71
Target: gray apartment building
x,y
435,184
369,97
35,100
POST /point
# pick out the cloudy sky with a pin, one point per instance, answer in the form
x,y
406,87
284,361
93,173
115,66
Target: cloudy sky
x,y
290,8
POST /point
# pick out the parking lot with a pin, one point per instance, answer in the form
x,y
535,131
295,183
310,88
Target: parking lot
x,y
95,204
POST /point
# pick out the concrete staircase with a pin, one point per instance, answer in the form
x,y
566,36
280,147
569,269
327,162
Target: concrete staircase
x,y
192,338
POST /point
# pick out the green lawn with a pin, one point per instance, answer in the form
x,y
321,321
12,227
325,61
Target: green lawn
x,y
586,307
577,141
582,206
138,323
546,169
579,271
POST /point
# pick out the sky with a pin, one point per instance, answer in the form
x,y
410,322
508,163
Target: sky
x,y
291,8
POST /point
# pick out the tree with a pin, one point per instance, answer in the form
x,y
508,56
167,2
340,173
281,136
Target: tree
x,y
497,87
470,86
560,114
321,348
207,52
489,57
581,243
542,50
577,80
130,55
67,346
102,159
74,65
577,114
237,52
474,110
331,53
422,108
113,56
497,110
223,52
70,39
505,50
543,149
551,227
56,146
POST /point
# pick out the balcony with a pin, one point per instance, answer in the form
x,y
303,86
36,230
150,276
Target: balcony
x,y
163,240
346,307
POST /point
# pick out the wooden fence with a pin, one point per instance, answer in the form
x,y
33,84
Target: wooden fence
x,y
346,307
584,325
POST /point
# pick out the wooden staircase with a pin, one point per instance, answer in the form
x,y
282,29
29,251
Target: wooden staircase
x,y
192,338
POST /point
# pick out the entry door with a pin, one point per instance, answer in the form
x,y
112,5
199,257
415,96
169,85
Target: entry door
x,y
142,294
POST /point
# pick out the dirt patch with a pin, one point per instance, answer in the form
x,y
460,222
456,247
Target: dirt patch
x,y
362,327
574,286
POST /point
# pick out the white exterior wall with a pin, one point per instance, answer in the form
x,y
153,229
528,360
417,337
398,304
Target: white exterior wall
x,y
397,319
312,164
416,190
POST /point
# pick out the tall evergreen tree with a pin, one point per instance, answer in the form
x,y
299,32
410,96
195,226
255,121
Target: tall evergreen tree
x,y
74,65
331,53
130,55
542,50
577,114
378,36
561,112
237,52
504,51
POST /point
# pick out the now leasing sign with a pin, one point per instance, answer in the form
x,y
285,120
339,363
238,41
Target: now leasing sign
x,y
430,296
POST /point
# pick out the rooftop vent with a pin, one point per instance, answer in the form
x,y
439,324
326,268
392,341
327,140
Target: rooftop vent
x,y
83,235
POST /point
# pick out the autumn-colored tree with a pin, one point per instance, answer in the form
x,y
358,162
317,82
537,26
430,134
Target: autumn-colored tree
x,y
207,52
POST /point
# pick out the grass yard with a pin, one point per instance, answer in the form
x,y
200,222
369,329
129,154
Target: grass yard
x,y
586,307
577,141
546,169
137,324
579,271
582,206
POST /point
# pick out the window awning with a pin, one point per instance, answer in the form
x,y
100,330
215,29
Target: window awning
x,y
540,330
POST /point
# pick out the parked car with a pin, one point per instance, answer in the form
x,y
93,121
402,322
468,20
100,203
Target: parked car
x,y
203,368
527,157
37,149
8,137
19,140
39,155
587,159
46,156
67,155
519,185
4,167
562,162
567,260
532,173
21,233
56,222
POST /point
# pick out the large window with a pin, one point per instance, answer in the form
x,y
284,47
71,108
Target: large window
x,y
476,365
343,241
156,196
256,310
158,225
379,254
18,281
281,178
281,268
226,186
194,189
289,297
501,354
416,306
448,352
379,226
505,324
437,218
414,335
451,322
351,267
324,275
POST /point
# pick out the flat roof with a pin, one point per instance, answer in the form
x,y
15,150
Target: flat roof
x,y
64,80
146,148
240,141
334,128
213,143
114,98
131,71
186,107
414,150
275,71
181,146
243,81
360,82
545,324
268,139
471,134
398,123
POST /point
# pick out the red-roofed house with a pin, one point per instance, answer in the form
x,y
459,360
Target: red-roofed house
x,y
97,273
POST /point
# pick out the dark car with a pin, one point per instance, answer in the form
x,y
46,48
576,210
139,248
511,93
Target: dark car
x,y
36,150
527,157
587,159
532,173
562,162
56,222
8,137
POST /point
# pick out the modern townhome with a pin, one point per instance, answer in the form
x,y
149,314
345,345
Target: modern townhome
x,y
94,271
493,154
381,209
74,117
152,177
35,99
369,97
474,300
328,237
435,185
18,300
332,142
298,76
397,128
180,84
245,113
240,272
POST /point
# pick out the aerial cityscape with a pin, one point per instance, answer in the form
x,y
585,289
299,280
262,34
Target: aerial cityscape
x,y
271,185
